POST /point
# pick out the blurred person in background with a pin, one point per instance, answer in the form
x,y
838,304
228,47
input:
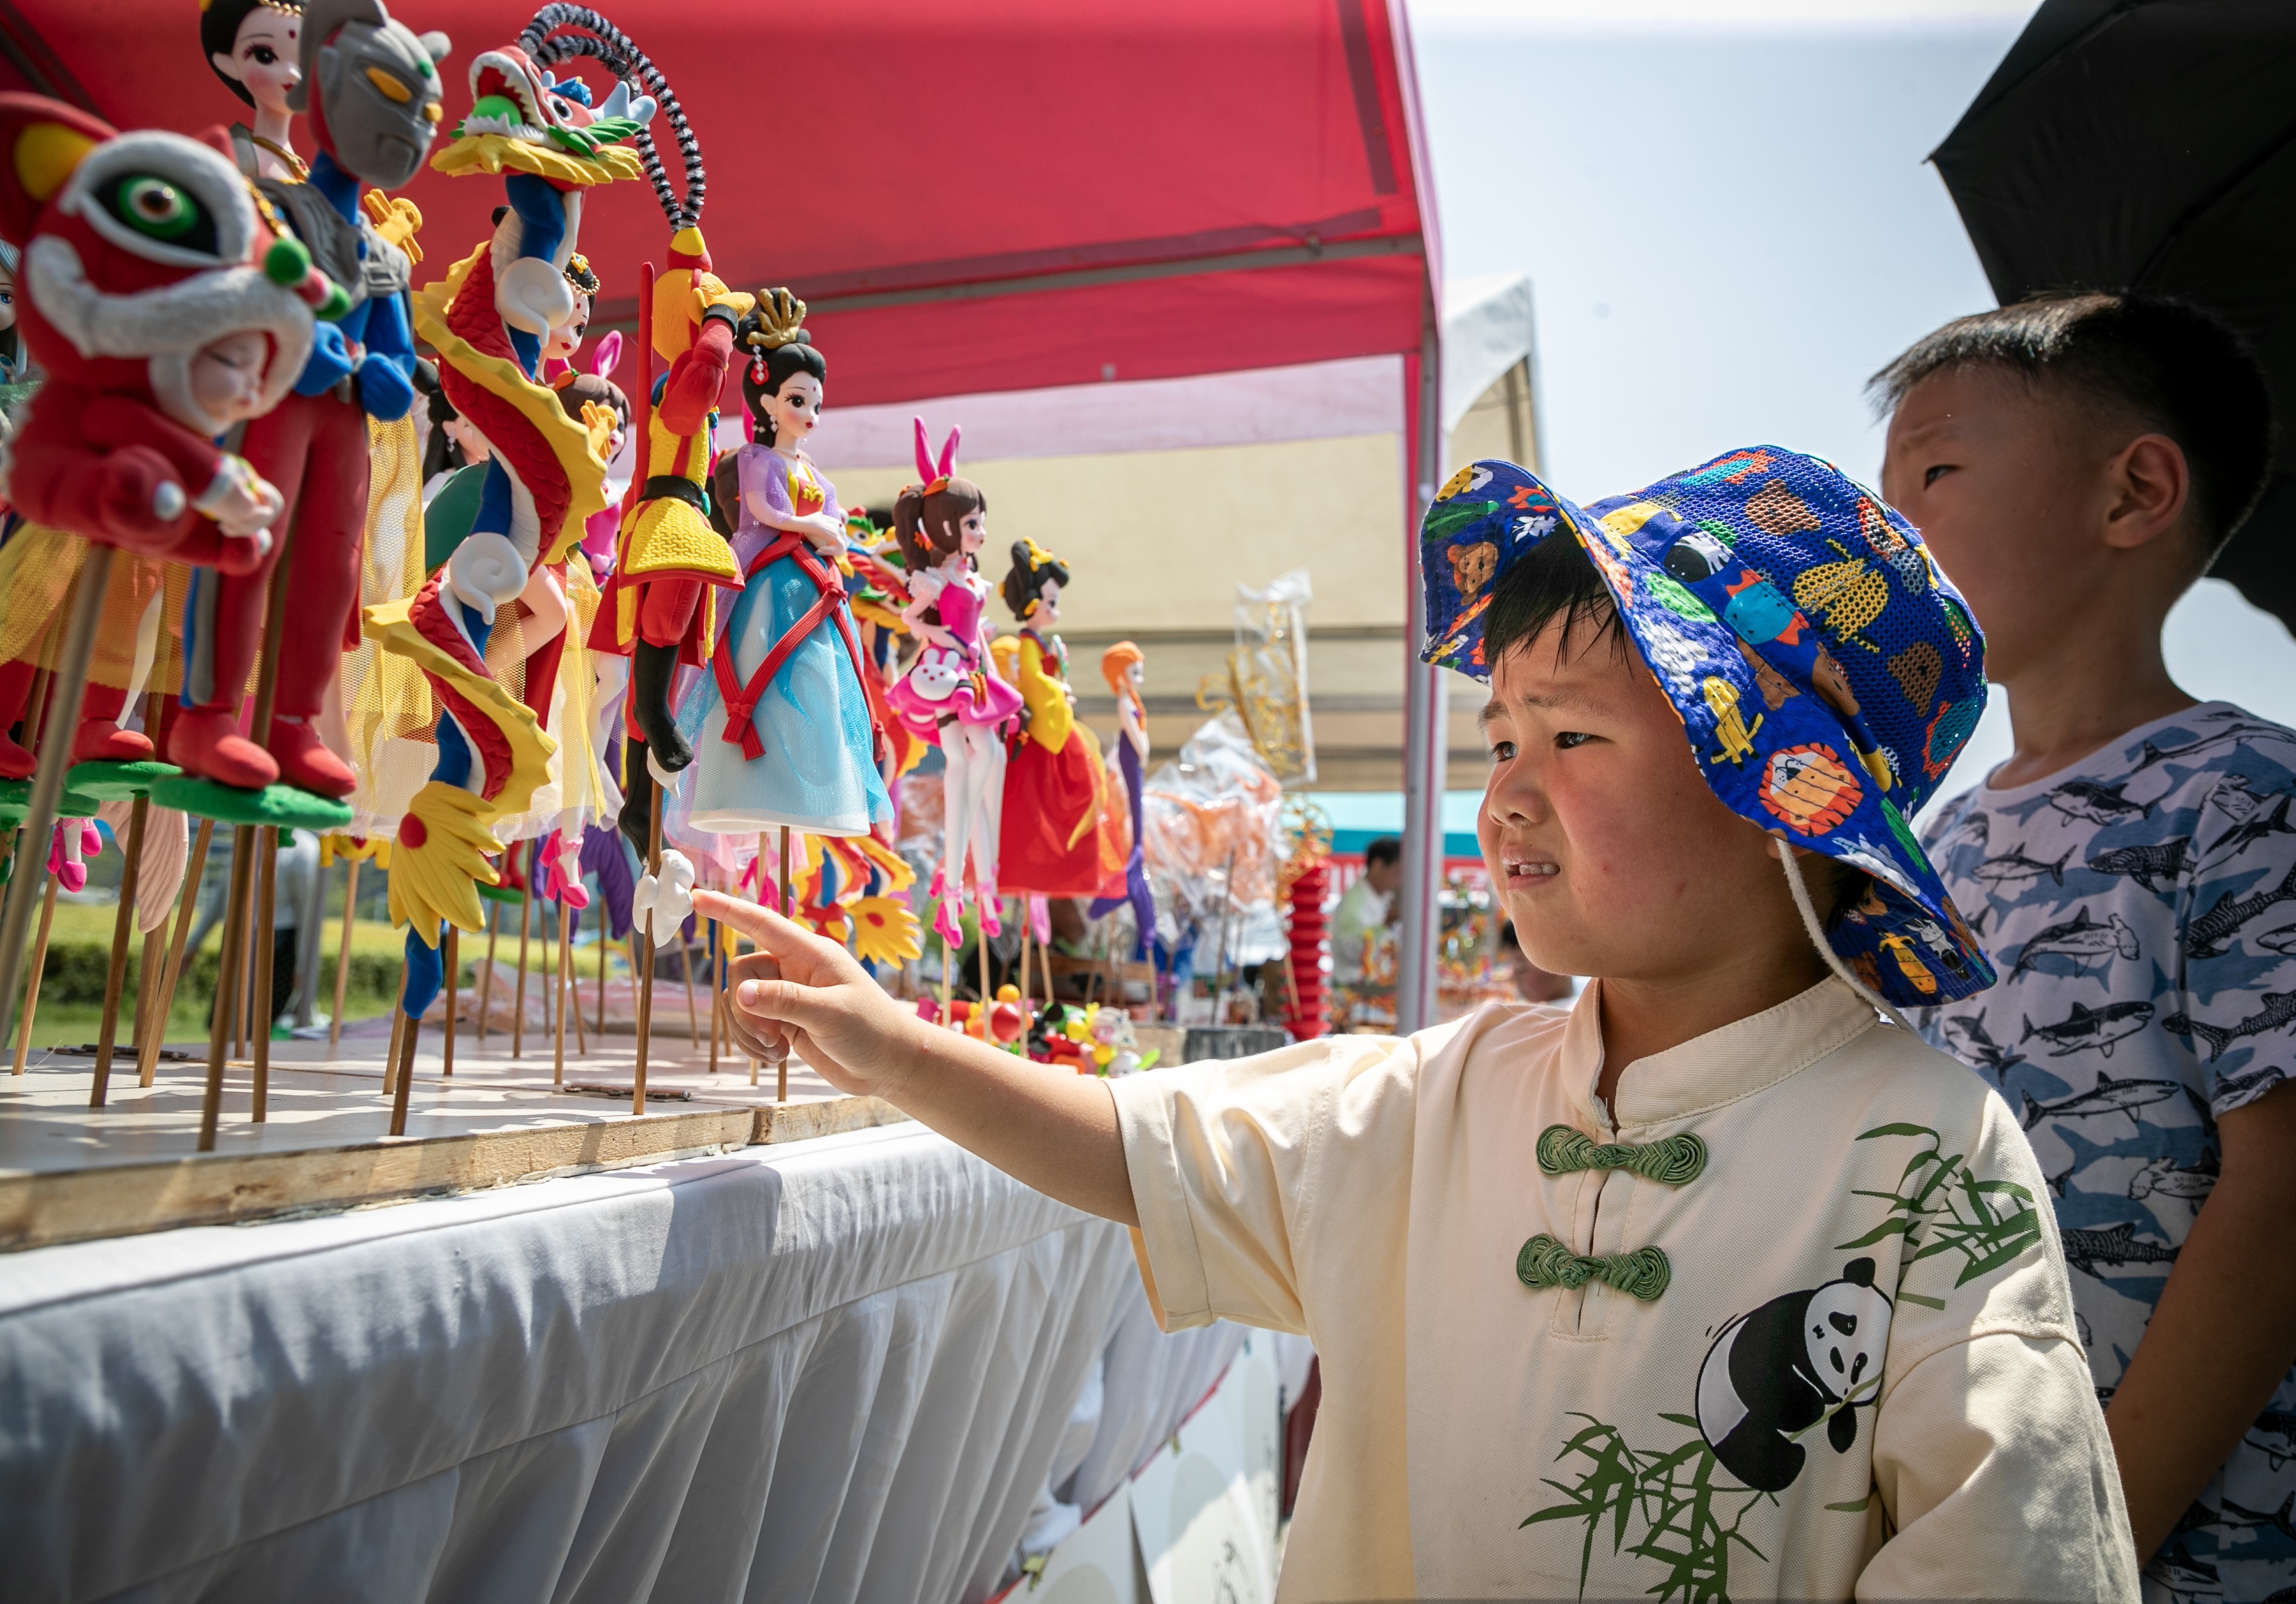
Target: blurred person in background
x,y
1364,908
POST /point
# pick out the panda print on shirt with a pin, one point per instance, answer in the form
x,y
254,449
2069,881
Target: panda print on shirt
x,y
1774,1373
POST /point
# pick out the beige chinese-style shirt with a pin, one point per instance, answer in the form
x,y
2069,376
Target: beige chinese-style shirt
x,y
1794,1325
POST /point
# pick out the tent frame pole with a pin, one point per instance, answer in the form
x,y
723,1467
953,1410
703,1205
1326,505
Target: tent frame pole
x,y
1426,738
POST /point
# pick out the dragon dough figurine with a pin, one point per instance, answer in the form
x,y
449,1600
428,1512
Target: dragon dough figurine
x,y
489,320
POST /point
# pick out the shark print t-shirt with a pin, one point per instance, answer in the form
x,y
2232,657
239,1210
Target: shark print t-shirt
x,y
2141,909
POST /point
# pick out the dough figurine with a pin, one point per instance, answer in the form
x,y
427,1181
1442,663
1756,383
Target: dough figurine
x,y
545,472
255,47
659,605
784,725
1051,841
953,694
1124,668
372,89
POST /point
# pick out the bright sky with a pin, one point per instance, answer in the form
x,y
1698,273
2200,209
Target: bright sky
x,y
1728,224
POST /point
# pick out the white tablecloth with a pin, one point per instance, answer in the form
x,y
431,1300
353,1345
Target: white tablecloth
x,y
835,1369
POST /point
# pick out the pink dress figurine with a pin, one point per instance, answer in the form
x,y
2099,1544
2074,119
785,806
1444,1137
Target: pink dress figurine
x,y
952,694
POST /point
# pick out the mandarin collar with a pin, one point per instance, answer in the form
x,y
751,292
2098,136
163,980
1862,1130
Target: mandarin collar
x,y
1745,1055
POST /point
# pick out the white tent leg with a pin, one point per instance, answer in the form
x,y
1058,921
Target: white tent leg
x,y
1426,738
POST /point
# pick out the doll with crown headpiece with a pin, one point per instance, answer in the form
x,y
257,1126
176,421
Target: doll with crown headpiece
x,y
782,723
952,694
1053,840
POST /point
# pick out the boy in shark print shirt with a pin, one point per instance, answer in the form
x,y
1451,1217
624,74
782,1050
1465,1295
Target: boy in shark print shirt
x,y
2075,463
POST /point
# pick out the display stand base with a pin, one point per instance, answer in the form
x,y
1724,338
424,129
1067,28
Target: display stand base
x,y
16,801
69,1174
117,782
274,807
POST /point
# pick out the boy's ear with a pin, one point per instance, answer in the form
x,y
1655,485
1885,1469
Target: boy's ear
x,y
42,141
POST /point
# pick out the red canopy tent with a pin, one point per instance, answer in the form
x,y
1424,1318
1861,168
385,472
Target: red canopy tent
x,y
1005,195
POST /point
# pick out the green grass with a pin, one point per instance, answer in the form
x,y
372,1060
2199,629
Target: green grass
x,y
71,1009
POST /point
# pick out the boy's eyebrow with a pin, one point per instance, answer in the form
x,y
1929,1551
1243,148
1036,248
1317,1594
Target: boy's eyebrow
x,y
1548,701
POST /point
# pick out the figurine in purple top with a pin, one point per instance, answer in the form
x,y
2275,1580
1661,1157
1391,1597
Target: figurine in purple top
x,y
781,723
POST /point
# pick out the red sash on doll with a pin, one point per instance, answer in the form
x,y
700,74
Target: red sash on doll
x,y
741,699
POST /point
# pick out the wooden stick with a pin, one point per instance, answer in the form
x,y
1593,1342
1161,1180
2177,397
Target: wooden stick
x,y
487,981
558,1021
123,926
1027,940
716,991
602,945
643,933
981,949
40,962
780,1065
266,947
692,1017
525,930
406,1074
343,956
398,1029
48,778
147,987
549,918
242,964
227,996
187,899
453,995
567,932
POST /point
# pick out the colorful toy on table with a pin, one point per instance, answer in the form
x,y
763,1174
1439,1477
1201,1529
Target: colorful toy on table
x,y
1004,1022
1094,1039
545,472
785,733
1054,840
952,693
157,332
1124,668
372,89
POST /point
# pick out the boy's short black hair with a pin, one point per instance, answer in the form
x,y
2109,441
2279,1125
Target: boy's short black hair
x,y
2163,363
1555,579
1387,848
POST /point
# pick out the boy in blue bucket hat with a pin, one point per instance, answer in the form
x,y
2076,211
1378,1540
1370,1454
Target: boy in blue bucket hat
x,y
1711,1284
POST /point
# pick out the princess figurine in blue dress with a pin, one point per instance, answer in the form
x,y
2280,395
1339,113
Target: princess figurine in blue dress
x,y
780,723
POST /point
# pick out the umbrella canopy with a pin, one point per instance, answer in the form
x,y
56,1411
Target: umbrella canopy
x,y
2151,145
1004,194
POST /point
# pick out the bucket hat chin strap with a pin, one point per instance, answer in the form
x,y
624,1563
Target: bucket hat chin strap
x,y
1810,923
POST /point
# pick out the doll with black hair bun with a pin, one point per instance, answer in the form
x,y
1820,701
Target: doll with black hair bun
x,y
781,724
1054,840
253,47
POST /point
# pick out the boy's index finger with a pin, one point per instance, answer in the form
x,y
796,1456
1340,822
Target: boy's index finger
x,y
771,932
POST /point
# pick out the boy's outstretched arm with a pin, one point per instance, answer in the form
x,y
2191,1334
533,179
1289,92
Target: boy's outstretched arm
x,y
1053,1130
2224,1332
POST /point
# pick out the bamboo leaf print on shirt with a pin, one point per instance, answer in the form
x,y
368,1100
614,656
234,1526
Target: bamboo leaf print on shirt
x,y
1676,1503
1940,1206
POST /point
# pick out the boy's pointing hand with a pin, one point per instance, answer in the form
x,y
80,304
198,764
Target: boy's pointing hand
x,y
801,990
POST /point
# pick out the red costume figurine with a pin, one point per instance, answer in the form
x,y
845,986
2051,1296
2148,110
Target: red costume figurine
x,y
157,333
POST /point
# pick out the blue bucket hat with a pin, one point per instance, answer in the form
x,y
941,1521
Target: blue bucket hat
x,y
1826,672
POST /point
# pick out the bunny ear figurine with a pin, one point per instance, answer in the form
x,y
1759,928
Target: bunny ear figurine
x,y
953,694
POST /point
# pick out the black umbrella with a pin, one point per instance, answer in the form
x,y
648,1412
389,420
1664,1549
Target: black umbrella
x,y
2151,144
